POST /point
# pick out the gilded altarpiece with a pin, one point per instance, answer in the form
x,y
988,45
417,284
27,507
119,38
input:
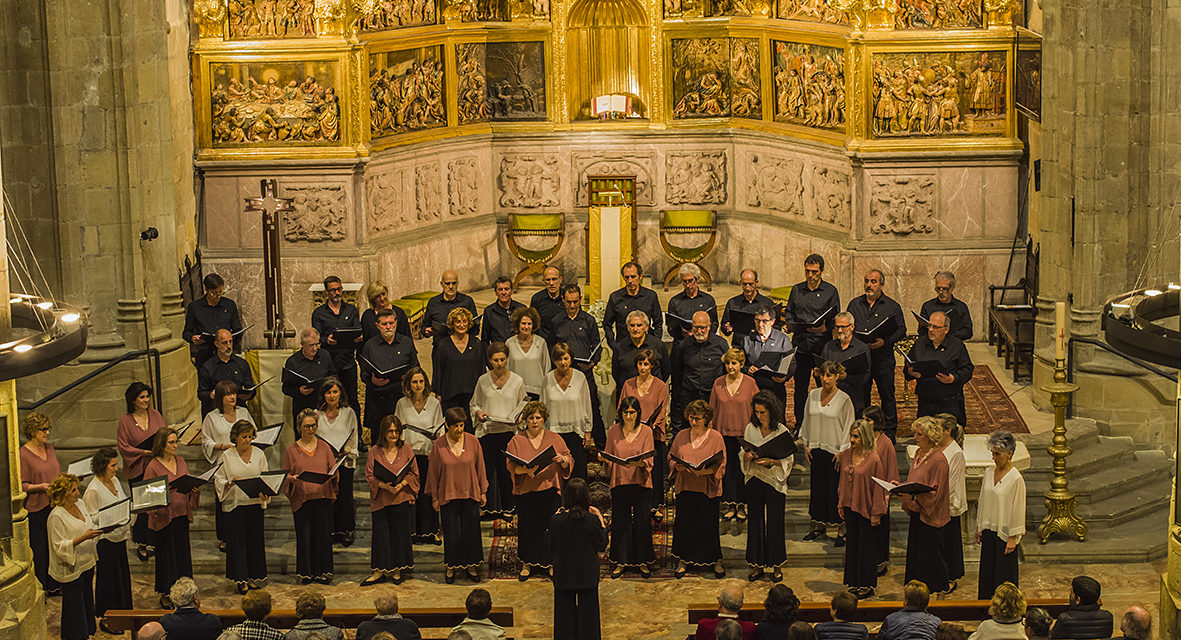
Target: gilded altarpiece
x,y
940,94
275,103
716,78
406,91
809,84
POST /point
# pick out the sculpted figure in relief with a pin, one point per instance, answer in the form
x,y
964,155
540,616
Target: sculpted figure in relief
x,y
271,19
528,181
809,84
902,205
472,88
775,183
827,11
276,110
938,94
696,178
463,186
394,14
317,213
406,91
426,192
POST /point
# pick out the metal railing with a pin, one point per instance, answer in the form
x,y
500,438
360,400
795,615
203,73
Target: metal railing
x,y
1148,366
151,354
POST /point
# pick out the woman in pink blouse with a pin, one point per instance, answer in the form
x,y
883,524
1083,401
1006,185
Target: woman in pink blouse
x,y
652,393
730,401
311,502
695,530
884,450
137,429
861,504
171,523
39,468
392,505
537,490
929,512
458,485
631,498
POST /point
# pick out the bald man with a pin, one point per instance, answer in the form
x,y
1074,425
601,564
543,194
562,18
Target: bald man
x,y
1137,624
942,390
151,631
224,365
439,306
696,363
548,303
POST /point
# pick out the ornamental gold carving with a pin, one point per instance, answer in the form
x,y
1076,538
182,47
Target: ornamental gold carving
x,y
529,181
463,186
598,164
697,177
939,94
427,187
809,85
210,16
827,11
383,195
939,14
273,104
252,19
406,91
902,205
832,195
396,14
472,88
776,183
716,78
999,13
317,213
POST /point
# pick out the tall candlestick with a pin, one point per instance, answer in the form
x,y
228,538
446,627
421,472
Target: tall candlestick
x,y
1060,330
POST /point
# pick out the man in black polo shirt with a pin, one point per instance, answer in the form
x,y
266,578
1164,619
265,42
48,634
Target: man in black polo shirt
x,y
807,302
580,332
385,359
548,303
690,300
854,356
749,301
623,358
438,307
873,314
496,326
339,324
696,364
224,365
944,391
305,371
632,297
955,309
205,315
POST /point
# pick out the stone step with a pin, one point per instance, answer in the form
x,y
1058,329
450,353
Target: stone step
x,y
1085,458
1141,540
1112,481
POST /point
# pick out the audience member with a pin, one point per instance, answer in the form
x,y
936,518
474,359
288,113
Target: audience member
x,y
729,604
309,606
1007,611
843,607
951,631
913,622
151,631
728,630
256,604
801,630
230,634
388,620
1037,623
459,634
1084,620
187,622
1137,624
780,607
476,625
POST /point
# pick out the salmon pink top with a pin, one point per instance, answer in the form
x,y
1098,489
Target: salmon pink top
x,y
732,412
456,477
657,396
548,478
38,470
682,447
179,504
934,508
130,436
296,461
380,498
856,488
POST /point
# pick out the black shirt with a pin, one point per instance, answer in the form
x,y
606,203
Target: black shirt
x,y
740,303
696,365
683,306
768,353
377,353
550,310
457,373
315,370
189,623
575,542
344,352
960,319
805,305
623,359
496,325
954,356
369,324
580,333
866,317
855,375
437,310
200,318
214,371
620,303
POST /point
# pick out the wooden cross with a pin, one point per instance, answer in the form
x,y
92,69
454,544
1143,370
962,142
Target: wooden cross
x,y
270,207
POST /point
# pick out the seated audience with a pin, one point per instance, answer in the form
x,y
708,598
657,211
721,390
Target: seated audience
x,y
729,603
187,622
780,608
151,631
801,630
230,634
1084,620
913,622
951,631
256,604
309,606
476,625
728,630
388,620
1137,624
843,607
1037,623
1007,611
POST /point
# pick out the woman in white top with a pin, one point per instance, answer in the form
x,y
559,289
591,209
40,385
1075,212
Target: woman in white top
x,y
498,398
72,556
1000,517
528,354
215,438
246,552
567,396
953,540
825,432
112,575
421,414
334,421
766,490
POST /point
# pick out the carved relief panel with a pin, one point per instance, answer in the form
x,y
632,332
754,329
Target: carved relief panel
x,y
428,196
463,186
472,88
832,195
776,183
827,11
939,94
252,19
275,103
716,78
939,14
386,206
529,181
318,213
902,204
516,81
397,14
605,164
809,85
406,91
695,177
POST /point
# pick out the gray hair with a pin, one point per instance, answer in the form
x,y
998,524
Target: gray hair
x,y
948,276
641,315
386,602
308,333
1002,441
730,598
1137,624
183,592
845,315
689,269
728,629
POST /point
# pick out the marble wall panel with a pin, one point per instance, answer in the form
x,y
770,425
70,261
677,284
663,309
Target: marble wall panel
x,y
417,264
325,206
950,200
777,253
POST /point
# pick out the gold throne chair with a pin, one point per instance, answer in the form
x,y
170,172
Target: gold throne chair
x,y
686,222
534,225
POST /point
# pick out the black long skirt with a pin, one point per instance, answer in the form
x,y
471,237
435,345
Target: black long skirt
x,y
953,549
391,545
861,551
500,499
996,566
732,481
766,546
695,529
426,519
344,517
174,558
140,532
463,401
313,539
246,549
462,546
112,578
659,473
631,526
534,510
924,555
78,607
577,453
881,537
822,494
39,542
219,520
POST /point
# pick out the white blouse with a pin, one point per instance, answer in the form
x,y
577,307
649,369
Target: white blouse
x,y
957,469
67,562
531,365
776,475
429,418
501,402
569,408
346,420
827,427
98,496
215,430
232,466
1001,506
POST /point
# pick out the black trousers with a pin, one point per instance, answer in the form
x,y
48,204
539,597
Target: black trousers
x,y
313,539
924,555
766,545
952,404
426,519
344,516
78,607
462,546
246,549
391,545
112,578
659,472
805,361
219,524
881,537
173,555
777,389
732,481
39,542
463,401
953,549
140,532
996,566
576,614
881,373
681,399
577,452
500,499
378,406
598,431
348,381
534,510
861,551
822,495
631,525
695,529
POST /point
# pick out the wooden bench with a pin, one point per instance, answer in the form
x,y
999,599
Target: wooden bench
x,y
876,611
434,618
1011,321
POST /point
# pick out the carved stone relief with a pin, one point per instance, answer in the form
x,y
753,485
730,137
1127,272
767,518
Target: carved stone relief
x,y
471,90
829,11
695,177
318,213
902,204
809,84
406,91
939,14
529,181
427,189
776,183
463,186
832,195
274,103
597,164
936,94
383,195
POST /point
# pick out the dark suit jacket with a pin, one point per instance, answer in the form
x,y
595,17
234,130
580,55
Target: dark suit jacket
x,y
189,623
402,628
575,543
1083,622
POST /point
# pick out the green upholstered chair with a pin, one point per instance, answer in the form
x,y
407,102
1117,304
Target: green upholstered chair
x,y
534,225
683,222
414,305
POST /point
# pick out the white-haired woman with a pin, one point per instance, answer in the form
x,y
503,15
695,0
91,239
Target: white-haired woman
x,y
1000,520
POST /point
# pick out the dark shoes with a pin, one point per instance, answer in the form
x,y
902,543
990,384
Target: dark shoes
x,y
840,542
812,535
372,580
754,574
